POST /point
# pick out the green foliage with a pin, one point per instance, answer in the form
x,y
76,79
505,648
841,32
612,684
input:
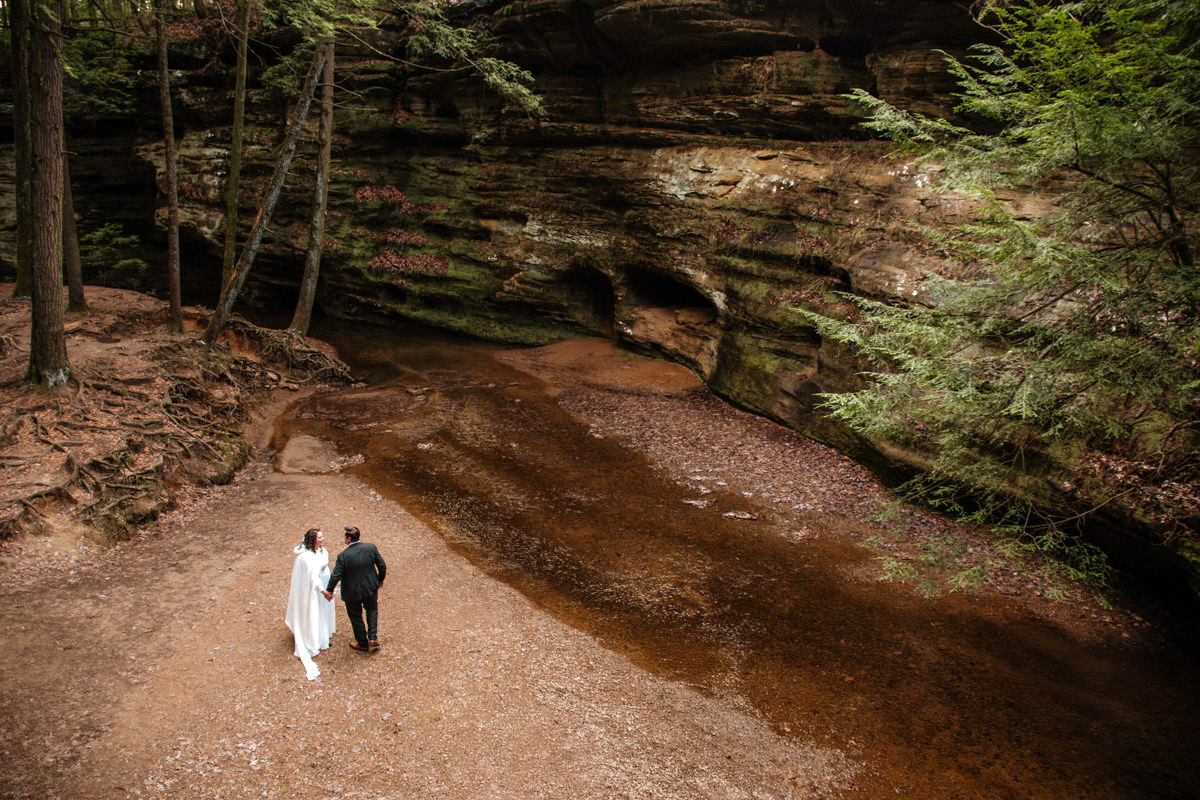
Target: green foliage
x,y
1063,378
127,272
100,77
104,246
321,19
283,79
314,20
430,35
106,241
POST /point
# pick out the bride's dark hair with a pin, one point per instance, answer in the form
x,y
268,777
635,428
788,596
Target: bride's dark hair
x,y
310,539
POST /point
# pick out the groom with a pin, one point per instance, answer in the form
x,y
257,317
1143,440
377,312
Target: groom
x,y
361,570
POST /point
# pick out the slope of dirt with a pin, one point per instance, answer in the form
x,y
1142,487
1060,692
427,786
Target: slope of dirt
x,y
162,668
145,412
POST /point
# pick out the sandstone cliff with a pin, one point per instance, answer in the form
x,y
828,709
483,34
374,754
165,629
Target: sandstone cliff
x,y
696,178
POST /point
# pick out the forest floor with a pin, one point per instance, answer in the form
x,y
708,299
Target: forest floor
x,y
146,411
160,666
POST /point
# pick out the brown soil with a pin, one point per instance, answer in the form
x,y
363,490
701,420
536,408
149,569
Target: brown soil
x,y
161,667
665,412
146,410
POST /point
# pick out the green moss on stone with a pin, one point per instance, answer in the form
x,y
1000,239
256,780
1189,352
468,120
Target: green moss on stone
x,y
747,373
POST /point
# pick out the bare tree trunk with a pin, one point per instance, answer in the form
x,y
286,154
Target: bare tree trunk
x,y
71,261
48,346
23,154
168,120
316,231
233,186
229,291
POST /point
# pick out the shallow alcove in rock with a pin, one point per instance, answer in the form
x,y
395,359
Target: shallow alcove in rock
x,y
590,298
648,288
667,315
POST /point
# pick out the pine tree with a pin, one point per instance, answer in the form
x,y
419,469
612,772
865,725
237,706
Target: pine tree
x,y
170,161
1062,378
48,349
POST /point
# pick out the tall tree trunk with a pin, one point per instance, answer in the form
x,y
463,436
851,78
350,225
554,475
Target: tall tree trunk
x,y
48,346
229,291
170,156
316,231
71,261
233,187
22,148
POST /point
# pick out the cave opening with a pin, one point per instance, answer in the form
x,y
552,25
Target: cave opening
x,y
656,290
590,299
446,109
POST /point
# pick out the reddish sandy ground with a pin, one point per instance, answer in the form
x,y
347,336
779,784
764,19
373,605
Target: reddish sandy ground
x,y
162,668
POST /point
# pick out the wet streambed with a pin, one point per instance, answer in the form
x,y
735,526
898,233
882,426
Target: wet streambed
x,y
957,697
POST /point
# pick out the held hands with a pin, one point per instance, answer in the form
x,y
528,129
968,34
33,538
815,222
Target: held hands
x,y
328,595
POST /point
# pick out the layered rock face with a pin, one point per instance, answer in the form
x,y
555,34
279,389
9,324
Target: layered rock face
x,y
696,179
697,182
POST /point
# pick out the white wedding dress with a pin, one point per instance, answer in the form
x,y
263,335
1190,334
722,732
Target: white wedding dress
x,y
309,614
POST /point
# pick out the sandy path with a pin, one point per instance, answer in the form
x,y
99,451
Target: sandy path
x,y
163,669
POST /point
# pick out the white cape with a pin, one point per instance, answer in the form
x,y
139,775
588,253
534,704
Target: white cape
x,y
309,614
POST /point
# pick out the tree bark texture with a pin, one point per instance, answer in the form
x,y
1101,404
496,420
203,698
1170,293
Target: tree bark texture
x,y
48,346
170,156
22,152
233,185
229,291
71,260
316,231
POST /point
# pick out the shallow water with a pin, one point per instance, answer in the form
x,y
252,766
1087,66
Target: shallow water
x,y
958,697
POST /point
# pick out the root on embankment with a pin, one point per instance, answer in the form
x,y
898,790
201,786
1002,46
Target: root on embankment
x,y
146,411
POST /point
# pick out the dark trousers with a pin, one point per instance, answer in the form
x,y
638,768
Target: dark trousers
x,y
355,609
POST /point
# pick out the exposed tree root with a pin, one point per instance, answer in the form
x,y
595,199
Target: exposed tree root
x,y
111,446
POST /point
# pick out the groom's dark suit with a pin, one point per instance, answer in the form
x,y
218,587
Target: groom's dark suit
x,y
361,570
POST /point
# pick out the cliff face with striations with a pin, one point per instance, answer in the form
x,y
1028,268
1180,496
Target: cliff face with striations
x,y
696,179
697,176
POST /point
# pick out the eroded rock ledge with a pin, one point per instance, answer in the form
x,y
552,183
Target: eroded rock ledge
x,y
697,177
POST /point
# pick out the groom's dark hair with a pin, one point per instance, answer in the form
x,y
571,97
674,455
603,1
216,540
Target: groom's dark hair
x,y
352,533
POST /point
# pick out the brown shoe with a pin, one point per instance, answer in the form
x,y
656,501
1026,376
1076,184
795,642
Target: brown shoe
x,y
374,645
360,647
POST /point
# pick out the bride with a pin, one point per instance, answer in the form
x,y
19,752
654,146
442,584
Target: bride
x,y
309,614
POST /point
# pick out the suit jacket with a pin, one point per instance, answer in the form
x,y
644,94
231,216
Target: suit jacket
x,y
360,569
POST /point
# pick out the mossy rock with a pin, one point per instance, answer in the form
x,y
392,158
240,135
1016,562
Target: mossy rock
x,y
1188,551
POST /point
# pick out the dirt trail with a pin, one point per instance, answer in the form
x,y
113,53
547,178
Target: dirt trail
x,y
162,668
